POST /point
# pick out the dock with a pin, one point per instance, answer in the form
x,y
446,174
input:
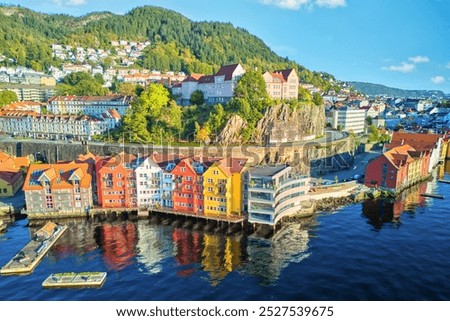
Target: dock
x,y
29,257
75,280
232,218
439,196
445,181
145,212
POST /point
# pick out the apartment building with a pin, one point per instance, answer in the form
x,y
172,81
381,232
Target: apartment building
x,y
61,188
349,119
217,88
273,192
88,105
282,84
48,126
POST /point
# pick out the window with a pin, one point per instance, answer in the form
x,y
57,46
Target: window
x,y
77,190
183,169
210,189
210,180
216,172
119,175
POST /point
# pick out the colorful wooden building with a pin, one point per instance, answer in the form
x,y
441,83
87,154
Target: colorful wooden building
x,y
222,186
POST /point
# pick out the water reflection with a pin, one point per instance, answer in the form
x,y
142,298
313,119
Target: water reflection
x,y
153,247
268,257
118,243
388,211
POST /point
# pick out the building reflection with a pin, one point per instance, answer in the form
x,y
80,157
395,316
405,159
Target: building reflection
x,y
188,250
221,255
268,257
153,247
388,211
77,241
117,242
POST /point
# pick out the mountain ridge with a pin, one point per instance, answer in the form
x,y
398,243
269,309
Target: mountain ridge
x,y
372,89
177,43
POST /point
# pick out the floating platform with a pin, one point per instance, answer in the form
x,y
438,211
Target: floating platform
x,y
433,195
75,280
29,257
444,181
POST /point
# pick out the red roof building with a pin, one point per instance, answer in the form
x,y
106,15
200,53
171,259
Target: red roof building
x,y
188,190
397,168
116,182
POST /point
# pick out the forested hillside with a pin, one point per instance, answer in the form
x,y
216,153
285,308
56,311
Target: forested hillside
x,y
177,43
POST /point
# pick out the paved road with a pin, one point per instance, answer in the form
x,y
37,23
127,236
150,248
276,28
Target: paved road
x,y
359,167
329,136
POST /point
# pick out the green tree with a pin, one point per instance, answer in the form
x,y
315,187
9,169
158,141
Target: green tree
x,y
252,88
369,120
126,88
154,99
135,125
197,98
317,99
81,84
7,97
304,94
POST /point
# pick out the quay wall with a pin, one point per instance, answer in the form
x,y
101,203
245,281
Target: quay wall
x,y
305,157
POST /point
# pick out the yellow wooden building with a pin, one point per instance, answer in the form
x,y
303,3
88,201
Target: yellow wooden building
x,y
222,187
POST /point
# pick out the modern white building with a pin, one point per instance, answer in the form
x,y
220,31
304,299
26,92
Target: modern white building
x,y
349,119
273,192
88,105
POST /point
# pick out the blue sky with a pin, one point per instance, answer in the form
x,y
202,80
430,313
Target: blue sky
x,y
399,43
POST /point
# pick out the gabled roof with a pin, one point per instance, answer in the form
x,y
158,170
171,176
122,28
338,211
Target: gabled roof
x,y
399,156
285,73
58,174
10,175
193,78
416,140
227,71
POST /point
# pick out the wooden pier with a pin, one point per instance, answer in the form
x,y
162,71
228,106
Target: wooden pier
x,y
75,280
145,212
29,257
439,196
231,219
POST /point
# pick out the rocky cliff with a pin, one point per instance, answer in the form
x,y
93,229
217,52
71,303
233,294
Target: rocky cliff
x,y
281,123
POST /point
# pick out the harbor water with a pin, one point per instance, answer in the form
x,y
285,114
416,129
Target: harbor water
x,y
376,250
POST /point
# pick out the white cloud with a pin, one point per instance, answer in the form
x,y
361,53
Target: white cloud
x,y
297,4
404,67
75,2
331,3
69,2
438,80
287,4
419,59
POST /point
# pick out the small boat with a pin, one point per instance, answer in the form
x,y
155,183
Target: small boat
x,y
75,280
444,181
